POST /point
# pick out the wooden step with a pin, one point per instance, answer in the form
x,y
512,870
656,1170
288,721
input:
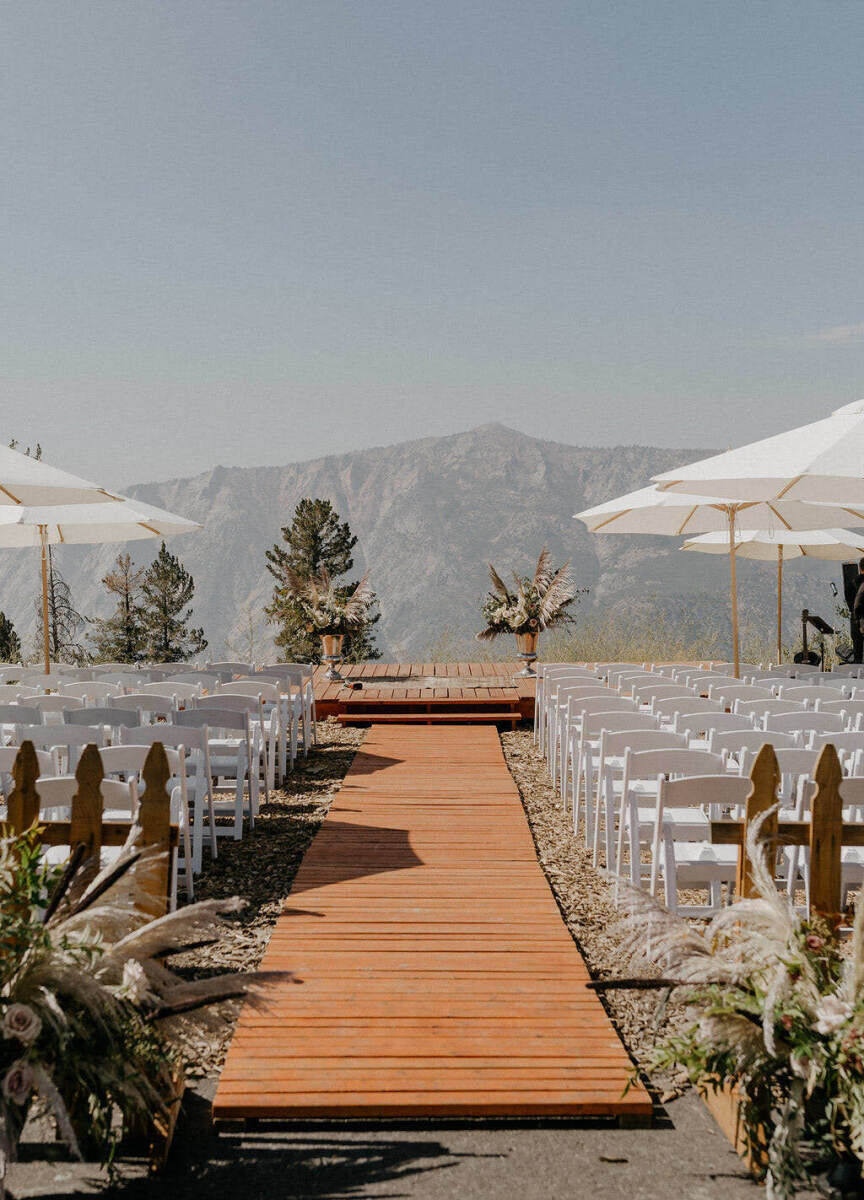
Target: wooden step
x,y
426,718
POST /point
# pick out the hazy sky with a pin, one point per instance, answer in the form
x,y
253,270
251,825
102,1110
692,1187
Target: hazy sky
x,y
248,232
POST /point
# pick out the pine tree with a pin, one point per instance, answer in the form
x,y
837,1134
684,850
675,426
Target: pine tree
x,y
10,643
315,538
122,637
167,589
65,622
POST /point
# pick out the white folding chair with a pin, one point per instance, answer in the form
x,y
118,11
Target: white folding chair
x,y
230,751
128,761
758,709
55,705
119,801
636,818
199,780
295,679
727,694
149,704
805,723
698,727
91,690
583,755
47,766
169,687
694,865
60,738
10,692
253,706
613,751
567,727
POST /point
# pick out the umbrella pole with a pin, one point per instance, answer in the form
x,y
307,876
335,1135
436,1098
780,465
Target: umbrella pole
x,y
733,589
779,603
46,641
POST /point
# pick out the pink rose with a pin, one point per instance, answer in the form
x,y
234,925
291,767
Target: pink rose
x,y
18,1083
22,1023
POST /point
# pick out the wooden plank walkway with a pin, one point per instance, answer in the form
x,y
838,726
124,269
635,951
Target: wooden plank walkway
x,y
438,978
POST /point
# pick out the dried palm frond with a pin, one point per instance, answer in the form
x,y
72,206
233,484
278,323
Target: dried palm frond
x,y
499,585
559,593
651,931
156,937
184,997
104,881
360,601
488,635
543,572
62,885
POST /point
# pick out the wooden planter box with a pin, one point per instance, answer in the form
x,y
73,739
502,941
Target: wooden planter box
x,y
724,1106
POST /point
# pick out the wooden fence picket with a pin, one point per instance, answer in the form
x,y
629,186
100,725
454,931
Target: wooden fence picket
x,y
154,821
826,838
825,833
85,823
23,803
765,781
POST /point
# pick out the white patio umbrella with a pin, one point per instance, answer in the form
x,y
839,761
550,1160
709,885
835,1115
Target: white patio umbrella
x,y
118,519
769,545
821,462
27,480
673,513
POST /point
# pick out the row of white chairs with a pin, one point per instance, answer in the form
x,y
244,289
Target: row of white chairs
x,y
234,743
617,736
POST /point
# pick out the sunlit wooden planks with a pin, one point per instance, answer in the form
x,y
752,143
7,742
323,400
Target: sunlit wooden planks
x,y
437,978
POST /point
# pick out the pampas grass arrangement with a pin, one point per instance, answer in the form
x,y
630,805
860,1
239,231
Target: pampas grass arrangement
x,y
538,602
777,1008
91,1016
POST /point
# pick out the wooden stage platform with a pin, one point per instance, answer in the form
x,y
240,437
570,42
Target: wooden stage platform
x,y
426,693
436,976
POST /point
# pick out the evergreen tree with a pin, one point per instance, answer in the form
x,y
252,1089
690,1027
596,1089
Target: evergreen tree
x,y
315,539
167,588
10,643
122,637
65,622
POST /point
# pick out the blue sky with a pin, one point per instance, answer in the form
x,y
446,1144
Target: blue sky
x,y
257,232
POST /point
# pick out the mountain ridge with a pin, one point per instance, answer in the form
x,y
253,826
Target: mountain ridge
x,y
429,514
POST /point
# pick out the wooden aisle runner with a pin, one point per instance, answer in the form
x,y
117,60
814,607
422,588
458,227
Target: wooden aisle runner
x,y
438,978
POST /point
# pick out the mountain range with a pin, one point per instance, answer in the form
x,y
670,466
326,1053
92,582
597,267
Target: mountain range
x,y
429,514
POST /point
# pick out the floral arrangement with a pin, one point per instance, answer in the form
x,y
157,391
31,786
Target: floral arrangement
x,y
328,608
776,1009
86,996
537,603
